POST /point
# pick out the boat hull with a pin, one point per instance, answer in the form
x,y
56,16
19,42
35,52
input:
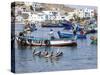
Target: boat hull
x,y
70,44
91,31
51,43
65,35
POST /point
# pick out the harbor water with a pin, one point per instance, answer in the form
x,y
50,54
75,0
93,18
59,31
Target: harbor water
x,y
82,56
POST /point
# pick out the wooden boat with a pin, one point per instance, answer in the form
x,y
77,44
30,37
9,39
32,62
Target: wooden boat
x,y
71,35
38,42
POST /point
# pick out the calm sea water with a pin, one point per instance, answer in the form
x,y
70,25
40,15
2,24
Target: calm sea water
x,y
84,56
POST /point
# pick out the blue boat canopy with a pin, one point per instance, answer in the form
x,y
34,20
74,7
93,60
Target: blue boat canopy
x,y
33,38
67,25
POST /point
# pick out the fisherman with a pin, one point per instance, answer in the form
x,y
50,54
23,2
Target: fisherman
x,y
21,34
52,34
27,26
33,27
74,33
75,25
75,30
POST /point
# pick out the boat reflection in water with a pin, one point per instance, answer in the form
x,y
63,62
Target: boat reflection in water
x,y
52,56
49,58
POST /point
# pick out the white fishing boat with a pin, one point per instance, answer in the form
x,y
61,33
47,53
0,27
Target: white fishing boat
x,y
56,42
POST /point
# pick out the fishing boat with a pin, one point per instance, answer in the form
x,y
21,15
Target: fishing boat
x,y
67,25
30,27
91,31
41,42
53,25
71,35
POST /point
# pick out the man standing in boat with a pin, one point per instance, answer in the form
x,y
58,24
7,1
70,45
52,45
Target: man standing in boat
x,y
75,30
51,34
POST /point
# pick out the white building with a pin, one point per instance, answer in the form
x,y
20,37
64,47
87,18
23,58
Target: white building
x,y
19,19
88,12
70,15
84,13
48,15
45,15
52,15
18,10
40,17
36,6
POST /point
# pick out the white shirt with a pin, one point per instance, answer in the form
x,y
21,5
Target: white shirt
x,y
51,33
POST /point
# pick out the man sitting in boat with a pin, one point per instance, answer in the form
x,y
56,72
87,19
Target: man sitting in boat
x,y
52,34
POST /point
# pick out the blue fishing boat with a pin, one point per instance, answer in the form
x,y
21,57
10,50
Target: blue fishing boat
x,y
53,25
67,25
71,35
79,28
70,26
81,36
91,31
30,27
65,35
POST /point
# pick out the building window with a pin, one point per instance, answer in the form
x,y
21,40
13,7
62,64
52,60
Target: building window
x,y
87,14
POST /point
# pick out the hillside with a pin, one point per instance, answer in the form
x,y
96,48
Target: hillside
x,y
59,7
